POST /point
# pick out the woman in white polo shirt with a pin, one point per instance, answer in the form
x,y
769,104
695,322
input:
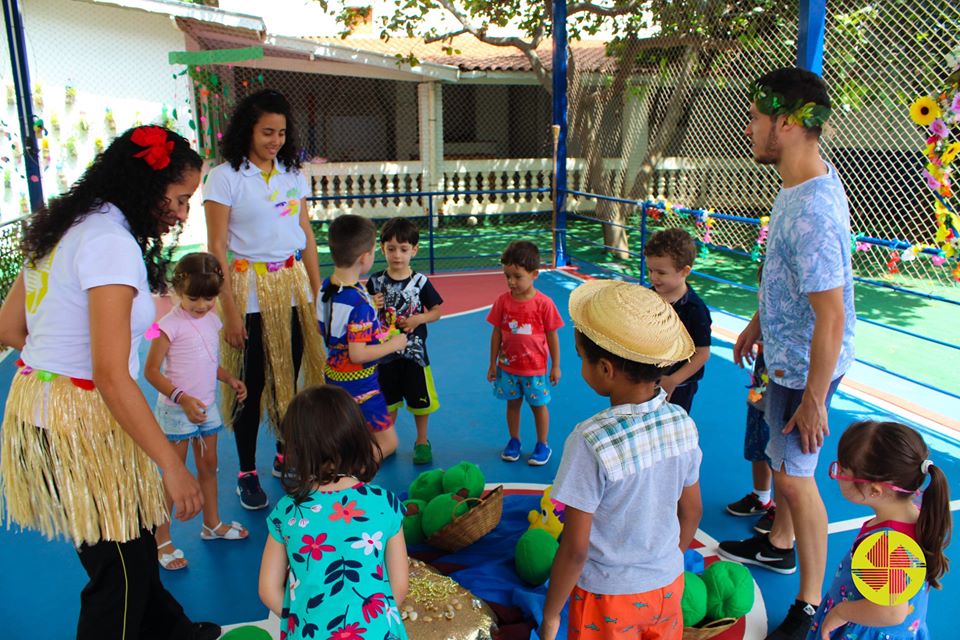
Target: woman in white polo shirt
x,y
257,211
80,443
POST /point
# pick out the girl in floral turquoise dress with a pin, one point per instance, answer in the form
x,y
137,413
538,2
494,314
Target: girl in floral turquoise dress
x,y
335,562
880,590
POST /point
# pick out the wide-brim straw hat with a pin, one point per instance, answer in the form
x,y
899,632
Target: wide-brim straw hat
x,y
630,321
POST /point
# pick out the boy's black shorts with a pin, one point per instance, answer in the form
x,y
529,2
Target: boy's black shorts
x,y
403,380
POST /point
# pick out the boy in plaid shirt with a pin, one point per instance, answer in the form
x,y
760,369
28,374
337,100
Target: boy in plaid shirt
x,y
629,476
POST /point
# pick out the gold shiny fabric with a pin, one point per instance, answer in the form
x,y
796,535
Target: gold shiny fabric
x,y
275,290
77,475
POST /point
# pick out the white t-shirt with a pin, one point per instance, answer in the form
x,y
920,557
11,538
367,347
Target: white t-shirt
x,y
264,218
99,250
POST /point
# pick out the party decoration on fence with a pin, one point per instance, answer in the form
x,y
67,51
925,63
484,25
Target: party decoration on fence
x,y
757,254
939,115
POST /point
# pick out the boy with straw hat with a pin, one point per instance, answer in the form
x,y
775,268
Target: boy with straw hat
x,y
641,457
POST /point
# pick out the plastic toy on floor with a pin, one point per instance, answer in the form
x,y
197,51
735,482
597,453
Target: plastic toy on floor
x,y
536,548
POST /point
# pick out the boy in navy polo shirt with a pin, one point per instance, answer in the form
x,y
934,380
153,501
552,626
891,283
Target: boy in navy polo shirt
x,y
670,255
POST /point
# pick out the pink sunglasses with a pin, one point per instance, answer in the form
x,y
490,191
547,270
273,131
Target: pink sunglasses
x,y
835,475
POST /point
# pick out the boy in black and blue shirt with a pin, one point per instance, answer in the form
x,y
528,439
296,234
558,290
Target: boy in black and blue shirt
x,y
406,301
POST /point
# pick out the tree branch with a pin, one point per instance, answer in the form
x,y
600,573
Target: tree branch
x,y
607,12
480,34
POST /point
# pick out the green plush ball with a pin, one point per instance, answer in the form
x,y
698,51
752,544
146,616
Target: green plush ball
x,y
440,512
729,590
247,632
533,556
427,486
413,521
464,475
694,603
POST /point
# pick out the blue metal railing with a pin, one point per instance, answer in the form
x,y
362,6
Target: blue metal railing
x,y
644,205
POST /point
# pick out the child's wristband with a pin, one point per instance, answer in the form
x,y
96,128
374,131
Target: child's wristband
x,y
176,394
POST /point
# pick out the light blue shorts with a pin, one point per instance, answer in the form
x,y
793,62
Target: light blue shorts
x,y
536,389
177,426
785,450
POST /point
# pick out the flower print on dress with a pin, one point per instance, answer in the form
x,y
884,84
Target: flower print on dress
x,y
314,547
369,544
347,511
349,632
372,605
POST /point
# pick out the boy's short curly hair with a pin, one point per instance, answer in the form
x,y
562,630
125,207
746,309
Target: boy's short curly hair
x,y
521,253
349,237
636,372
675,243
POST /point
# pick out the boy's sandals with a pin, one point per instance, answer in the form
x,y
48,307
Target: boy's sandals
x,y
235,531
167,559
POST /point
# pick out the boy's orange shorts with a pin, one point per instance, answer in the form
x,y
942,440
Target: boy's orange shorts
x,y
652,615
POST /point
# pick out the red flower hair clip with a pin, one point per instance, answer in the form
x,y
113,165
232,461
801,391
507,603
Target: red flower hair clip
x,y
158,147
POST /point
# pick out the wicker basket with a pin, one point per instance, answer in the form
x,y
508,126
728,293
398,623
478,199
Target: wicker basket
x,y
708,630
473,525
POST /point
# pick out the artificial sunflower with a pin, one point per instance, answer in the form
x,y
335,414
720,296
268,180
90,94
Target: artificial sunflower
x,y
950,153
924,111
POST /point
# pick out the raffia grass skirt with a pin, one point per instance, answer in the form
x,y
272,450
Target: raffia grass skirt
x,y
79,476
275,290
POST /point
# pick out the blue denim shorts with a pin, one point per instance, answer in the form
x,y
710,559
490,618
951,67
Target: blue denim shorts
x,y
756,436
784,450
536,389
177,426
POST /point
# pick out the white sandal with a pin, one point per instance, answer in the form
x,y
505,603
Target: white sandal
x,y
233,533
166,559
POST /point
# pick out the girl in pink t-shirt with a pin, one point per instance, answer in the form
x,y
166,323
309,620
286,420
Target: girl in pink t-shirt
x,y
186,342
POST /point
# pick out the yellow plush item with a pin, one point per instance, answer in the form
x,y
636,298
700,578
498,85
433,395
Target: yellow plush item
x,y
549,516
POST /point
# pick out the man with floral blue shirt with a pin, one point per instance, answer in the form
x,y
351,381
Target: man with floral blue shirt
x,y
807,316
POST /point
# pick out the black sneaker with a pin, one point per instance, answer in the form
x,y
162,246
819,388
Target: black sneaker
x,y
205,631
251,495
748,505
278,466
758,550
796,625
765,523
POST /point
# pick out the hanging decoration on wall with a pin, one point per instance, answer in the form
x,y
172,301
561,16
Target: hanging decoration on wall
x,y
939,115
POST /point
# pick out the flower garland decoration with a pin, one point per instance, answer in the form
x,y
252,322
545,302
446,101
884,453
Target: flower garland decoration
x,y
807,114
757,254
939,115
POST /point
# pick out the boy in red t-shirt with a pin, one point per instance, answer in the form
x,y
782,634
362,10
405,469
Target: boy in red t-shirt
x,y
525,324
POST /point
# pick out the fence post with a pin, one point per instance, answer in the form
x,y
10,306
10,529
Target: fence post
x,y
430,222
810,30
21,82
560,122
643,243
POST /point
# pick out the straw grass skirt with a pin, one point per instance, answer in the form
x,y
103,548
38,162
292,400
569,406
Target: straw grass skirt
x,y
78,475
275,290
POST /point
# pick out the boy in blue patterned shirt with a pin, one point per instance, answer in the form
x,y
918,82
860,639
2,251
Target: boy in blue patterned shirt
x,y
638,458
350,327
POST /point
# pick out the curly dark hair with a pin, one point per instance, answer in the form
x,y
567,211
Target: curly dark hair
x,y
129,183
797,86
236,140
676,244
521,253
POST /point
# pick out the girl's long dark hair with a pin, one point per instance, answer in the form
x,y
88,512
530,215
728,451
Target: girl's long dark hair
x,y
133,186
236,140
325,437
894,453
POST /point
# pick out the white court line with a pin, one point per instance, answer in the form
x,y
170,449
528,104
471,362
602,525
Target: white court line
x,y
463,313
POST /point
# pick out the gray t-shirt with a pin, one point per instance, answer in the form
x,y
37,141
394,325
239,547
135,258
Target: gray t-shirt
x,y
627,466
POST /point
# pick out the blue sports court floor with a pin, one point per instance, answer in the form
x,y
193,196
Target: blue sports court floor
x,y
39,590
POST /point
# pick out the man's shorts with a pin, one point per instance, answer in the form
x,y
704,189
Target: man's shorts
x,y
756,435
651,614
366,392
403,380
177,426
785,450
509,386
